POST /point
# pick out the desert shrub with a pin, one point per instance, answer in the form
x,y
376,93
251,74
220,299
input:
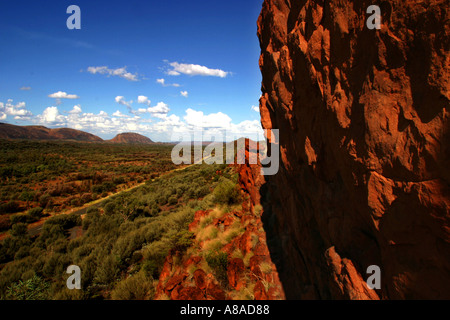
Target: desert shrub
x,y
151,268
34,214
35,288
110,208
107,270
9,207
119,180
19,230
5,223
218,262
86,197
108,186
44,200
50,233
56,265
182,240
18,218
172,200
66,221
135,287
22,253
226,192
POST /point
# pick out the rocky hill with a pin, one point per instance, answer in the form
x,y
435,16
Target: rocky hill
x,y
132,138
365,147
9,131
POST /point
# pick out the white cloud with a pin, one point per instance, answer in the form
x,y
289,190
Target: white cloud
x,y
155,122
119,72
76,110
184,94
18,110
255,108
63,95
119,114
164,84
25,88
195,70
121,100
197,119
52,116
160,109
144,100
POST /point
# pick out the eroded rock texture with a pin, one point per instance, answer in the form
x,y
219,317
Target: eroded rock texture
x,y
365,146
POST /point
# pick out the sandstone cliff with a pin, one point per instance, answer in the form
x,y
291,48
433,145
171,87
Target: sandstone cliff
x,y
365,147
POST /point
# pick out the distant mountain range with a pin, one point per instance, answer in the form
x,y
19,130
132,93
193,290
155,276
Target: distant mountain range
x,y
13,132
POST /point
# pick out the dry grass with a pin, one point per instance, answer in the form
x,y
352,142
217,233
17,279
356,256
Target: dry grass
x,y
266,267
208,233
247,258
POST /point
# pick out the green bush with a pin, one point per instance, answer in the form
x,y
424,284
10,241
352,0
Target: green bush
x,y
19,230
182,240
35,214
135,287
35,288
218,261
226,192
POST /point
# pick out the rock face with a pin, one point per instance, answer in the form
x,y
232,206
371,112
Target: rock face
x,y
365,147
132,138
9,131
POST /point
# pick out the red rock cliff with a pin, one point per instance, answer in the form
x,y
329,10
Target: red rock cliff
x,y
365,146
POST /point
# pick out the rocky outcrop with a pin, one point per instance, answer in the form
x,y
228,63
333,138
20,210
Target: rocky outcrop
x,y
131,138
240,237
365,147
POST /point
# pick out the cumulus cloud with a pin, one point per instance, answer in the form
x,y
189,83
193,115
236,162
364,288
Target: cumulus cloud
x,y
25,88
143,100
159,110
51,116
195,70
197,119
63,95
184,94
156,121
119,72
119,114
76,110
18,110
121,100
255,108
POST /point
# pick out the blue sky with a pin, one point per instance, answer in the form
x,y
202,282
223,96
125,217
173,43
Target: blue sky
x,y
152,67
